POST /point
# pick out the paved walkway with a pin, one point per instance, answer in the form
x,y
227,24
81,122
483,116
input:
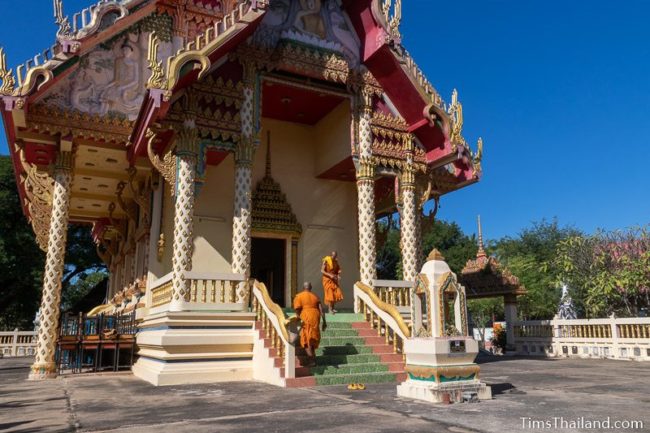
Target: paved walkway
x,y
535,389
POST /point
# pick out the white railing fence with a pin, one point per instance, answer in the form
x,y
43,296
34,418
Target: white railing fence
x,y
17,343
612,338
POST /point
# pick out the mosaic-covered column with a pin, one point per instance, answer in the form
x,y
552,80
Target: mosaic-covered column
x,y
44,363
366,193
244,153
186,157
408,223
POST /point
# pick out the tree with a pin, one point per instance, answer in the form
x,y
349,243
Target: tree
x,y
22,262
608,272
528,257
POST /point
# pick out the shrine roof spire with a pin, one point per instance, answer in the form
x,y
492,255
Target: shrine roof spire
x,y
481,250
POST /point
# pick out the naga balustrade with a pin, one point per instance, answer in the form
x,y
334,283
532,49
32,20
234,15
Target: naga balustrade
x,y
207,291
273,321
395,292
382,316
17,343
616,338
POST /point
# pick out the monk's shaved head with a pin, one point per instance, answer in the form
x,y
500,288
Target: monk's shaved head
x,y
334,254
306,286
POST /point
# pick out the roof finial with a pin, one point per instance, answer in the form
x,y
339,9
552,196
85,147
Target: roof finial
x,y
61,20
268,154
481,250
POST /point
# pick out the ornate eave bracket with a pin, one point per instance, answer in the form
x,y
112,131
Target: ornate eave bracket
x,y
165,166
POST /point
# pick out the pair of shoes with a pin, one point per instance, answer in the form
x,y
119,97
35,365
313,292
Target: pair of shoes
x,y
356,387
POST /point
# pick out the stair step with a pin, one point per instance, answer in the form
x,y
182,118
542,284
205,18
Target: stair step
x,y
364,378
343,350
344,317
338,325
348,359
329,370
343,341
339,332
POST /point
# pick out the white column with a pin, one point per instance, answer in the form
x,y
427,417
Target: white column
x,y
186,155
244,153
44,363
366,193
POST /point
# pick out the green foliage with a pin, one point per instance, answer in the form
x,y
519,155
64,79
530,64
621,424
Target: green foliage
x,y
483,312
22,262
449,239
527,256
608,272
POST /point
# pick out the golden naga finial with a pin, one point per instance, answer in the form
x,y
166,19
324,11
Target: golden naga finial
x,y
65,31
456,119
395,20
157,79
478,156
6,75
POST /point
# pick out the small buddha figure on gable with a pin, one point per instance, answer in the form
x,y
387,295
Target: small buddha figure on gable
x,y
309,19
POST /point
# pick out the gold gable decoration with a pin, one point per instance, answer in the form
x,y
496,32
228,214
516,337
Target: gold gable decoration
x,y
271,211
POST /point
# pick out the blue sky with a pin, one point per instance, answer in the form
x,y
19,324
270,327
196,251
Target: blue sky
x,y
559,91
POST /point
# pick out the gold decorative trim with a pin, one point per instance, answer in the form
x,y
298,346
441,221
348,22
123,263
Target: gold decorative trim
x,y
426,372
387,308
435,255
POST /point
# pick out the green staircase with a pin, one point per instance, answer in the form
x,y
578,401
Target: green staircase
x,y
350,352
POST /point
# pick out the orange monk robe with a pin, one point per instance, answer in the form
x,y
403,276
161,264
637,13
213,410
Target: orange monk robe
x,y
310,316
331,287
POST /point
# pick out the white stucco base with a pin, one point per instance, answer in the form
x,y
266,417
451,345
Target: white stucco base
x,y
434,393
195,347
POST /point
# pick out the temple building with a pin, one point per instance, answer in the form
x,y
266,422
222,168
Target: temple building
x,y
214,144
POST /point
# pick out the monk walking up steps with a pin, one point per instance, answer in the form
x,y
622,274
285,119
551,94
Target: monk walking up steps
x,y
310,311
331,276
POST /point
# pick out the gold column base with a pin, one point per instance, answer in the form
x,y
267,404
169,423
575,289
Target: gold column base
x,y
43,371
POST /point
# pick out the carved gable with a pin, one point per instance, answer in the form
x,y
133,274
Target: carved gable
x,y
109,80
319,23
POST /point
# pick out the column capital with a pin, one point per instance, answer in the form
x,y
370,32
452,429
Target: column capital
x,y
187,141
366,169
245,152
64,161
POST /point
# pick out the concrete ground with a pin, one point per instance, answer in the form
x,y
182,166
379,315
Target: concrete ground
x,y
534,389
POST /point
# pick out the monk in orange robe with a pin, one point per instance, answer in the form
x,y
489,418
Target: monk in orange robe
x,y
331,276
310,311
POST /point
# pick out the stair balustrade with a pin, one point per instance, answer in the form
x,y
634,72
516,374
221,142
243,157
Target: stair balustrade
x,y
273,322
382,316
207,291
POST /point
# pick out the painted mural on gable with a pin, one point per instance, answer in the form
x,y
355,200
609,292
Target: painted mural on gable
x,y
110,80
320,23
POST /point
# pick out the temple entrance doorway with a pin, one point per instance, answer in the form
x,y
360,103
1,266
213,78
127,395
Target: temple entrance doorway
x,y
268,265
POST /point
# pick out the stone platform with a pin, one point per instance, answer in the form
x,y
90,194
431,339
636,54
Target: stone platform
x,y
534,388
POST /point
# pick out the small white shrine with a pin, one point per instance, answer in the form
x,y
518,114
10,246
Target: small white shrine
x,y
440,358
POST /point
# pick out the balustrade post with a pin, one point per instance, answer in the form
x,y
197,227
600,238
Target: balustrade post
x,y
615,336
